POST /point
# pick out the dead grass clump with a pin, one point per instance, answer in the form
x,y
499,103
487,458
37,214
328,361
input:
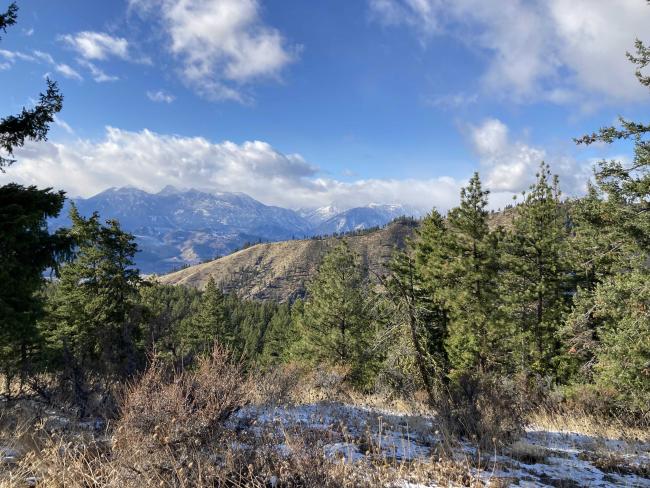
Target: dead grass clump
x,y
279,385
527,453
564,419
482,409
612,462
80,462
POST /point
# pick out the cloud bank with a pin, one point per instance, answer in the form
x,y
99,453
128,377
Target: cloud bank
x,y
151,161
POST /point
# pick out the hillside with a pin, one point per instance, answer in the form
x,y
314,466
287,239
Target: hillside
x,y
280,270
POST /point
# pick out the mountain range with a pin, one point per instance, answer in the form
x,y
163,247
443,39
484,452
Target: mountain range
x,y
176,228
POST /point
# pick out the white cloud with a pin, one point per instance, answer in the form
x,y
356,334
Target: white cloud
x,y
97,45
151,161
160,96
222,44
563,51
68,71
39,57
64,125
510,166
98,75
13,56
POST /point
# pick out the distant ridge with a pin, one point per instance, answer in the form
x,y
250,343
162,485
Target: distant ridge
x,y
179,227
281,270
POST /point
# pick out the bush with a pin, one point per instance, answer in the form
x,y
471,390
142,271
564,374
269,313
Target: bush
x,y
170,421
483,408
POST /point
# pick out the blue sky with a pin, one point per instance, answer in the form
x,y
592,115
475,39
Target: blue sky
x,y
302,103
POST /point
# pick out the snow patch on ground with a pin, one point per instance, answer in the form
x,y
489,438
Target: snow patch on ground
x,y
355,433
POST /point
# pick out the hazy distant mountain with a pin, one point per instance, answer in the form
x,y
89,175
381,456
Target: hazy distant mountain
x,y
316,216
177,227
360,218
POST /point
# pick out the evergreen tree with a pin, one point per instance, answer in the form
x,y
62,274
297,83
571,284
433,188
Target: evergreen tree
x,y
622,358
209,324
31,124
477,335
27,249
169,310
613,315
537,281
337,312
93,326
280,337
413,286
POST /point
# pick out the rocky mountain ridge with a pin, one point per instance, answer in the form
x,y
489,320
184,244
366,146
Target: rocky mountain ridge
x,y
180,227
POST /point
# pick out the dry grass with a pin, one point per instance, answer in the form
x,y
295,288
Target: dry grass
x,y
279,270
562,420
181,430
527,453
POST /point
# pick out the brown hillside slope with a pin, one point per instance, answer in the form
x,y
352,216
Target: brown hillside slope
x,y
280,270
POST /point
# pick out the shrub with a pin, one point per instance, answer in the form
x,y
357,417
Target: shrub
x,y
170,421
482,408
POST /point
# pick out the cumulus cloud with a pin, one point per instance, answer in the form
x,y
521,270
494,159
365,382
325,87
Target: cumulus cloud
x,y
222,44
563,51
160,96
97,45
151,161
510,166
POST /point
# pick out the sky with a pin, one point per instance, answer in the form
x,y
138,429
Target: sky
x,y
303,104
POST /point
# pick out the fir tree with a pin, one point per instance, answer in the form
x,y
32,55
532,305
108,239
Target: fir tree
x,y
210,323
476,332
31,124
280,337
92,326
537,281
27,249
614,313
337,312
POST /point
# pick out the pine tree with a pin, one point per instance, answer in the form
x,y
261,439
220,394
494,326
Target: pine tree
x,y
337,312
477,335
413,288
210,323
92,326
537,281
27,249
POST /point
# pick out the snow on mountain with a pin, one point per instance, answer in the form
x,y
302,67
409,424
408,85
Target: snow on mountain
x,y
360,218
175,226
316,216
